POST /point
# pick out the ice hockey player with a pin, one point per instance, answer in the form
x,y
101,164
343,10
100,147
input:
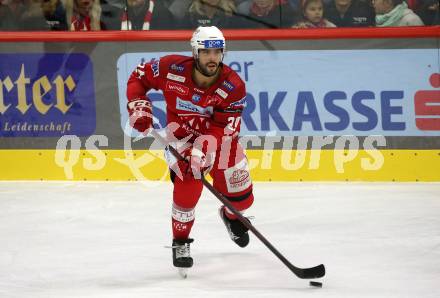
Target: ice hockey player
x,y
205,98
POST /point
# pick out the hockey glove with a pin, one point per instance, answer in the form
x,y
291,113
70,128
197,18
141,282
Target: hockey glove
x,y
140,114
194,164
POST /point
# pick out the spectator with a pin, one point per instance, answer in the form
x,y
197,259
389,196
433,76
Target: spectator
x,y
313,12
413,4
297,3
266,14
83,15
44,15
10,14
219,13
428,11
115,3
178,8
145,15
395,13
55,14
111,13
350,13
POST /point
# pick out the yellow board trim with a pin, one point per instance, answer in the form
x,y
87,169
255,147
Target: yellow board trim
x,y
277,165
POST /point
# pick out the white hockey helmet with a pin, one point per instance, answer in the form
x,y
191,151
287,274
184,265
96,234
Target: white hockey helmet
x,y
207,38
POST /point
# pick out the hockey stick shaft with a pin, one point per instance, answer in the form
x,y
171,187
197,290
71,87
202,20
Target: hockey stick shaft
x,y
300,272
305,273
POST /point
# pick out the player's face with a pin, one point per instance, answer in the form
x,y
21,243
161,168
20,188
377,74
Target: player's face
x,y
313,12
209,61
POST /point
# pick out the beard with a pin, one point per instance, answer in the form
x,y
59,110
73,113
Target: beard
x,y
206,69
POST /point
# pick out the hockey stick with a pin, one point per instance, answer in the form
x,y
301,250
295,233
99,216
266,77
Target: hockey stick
x,y
304,273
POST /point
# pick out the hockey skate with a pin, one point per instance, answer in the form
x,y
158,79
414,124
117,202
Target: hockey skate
x,y
182,256
237,231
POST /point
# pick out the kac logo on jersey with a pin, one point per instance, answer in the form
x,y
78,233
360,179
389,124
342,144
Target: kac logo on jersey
x,y
214,44
195,98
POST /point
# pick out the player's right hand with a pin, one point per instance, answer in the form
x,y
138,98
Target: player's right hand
x,y
140,114
193,165
199,163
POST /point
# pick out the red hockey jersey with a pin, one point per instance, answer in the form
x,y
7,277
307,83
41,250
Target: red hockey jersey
x,y
212,111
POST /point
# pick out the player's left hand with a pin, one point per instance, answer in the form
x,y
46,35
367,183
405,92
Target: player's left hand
x,y
140,114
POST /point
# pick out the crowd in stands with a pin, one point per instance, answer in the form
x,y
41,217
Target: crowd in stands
x,y
87,15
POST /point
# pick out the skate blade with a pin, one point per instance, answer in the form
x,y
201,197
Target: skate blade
x,y
183,272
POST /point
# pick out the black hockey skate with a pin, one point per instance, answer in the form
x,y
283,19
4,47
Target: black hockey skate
x,y
237,231
182,256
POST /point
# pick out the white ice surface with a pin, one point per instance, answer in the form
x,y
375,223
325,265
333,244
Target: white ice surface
x,y
107,240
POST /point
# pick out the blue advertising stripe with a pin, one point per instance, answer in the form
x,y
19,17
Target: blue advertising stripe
x,y
325,92
46,95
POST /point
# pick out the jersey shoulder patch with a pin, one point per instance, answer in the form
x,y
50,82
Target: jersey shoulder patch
x,y
232,79
232,90
174,64
175,67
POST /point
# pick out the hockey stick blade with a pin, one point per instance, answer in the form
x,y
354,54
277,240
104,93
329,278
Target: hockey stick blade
x,y
303,273
309,273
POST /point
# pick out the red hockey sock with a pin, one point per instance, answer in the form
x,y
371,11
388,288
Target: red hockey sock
x,y
186,194
181,230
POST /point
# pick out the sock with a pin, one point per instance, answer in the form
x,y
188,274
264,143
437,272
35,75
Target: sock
x,y
182,221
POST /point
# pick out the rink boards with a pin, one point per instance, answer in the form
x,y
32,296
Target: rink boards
x,y
277,165
339,105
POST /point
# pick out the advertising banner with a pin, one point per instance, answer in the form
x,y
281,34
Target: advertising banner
x,y
389,92
46,95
